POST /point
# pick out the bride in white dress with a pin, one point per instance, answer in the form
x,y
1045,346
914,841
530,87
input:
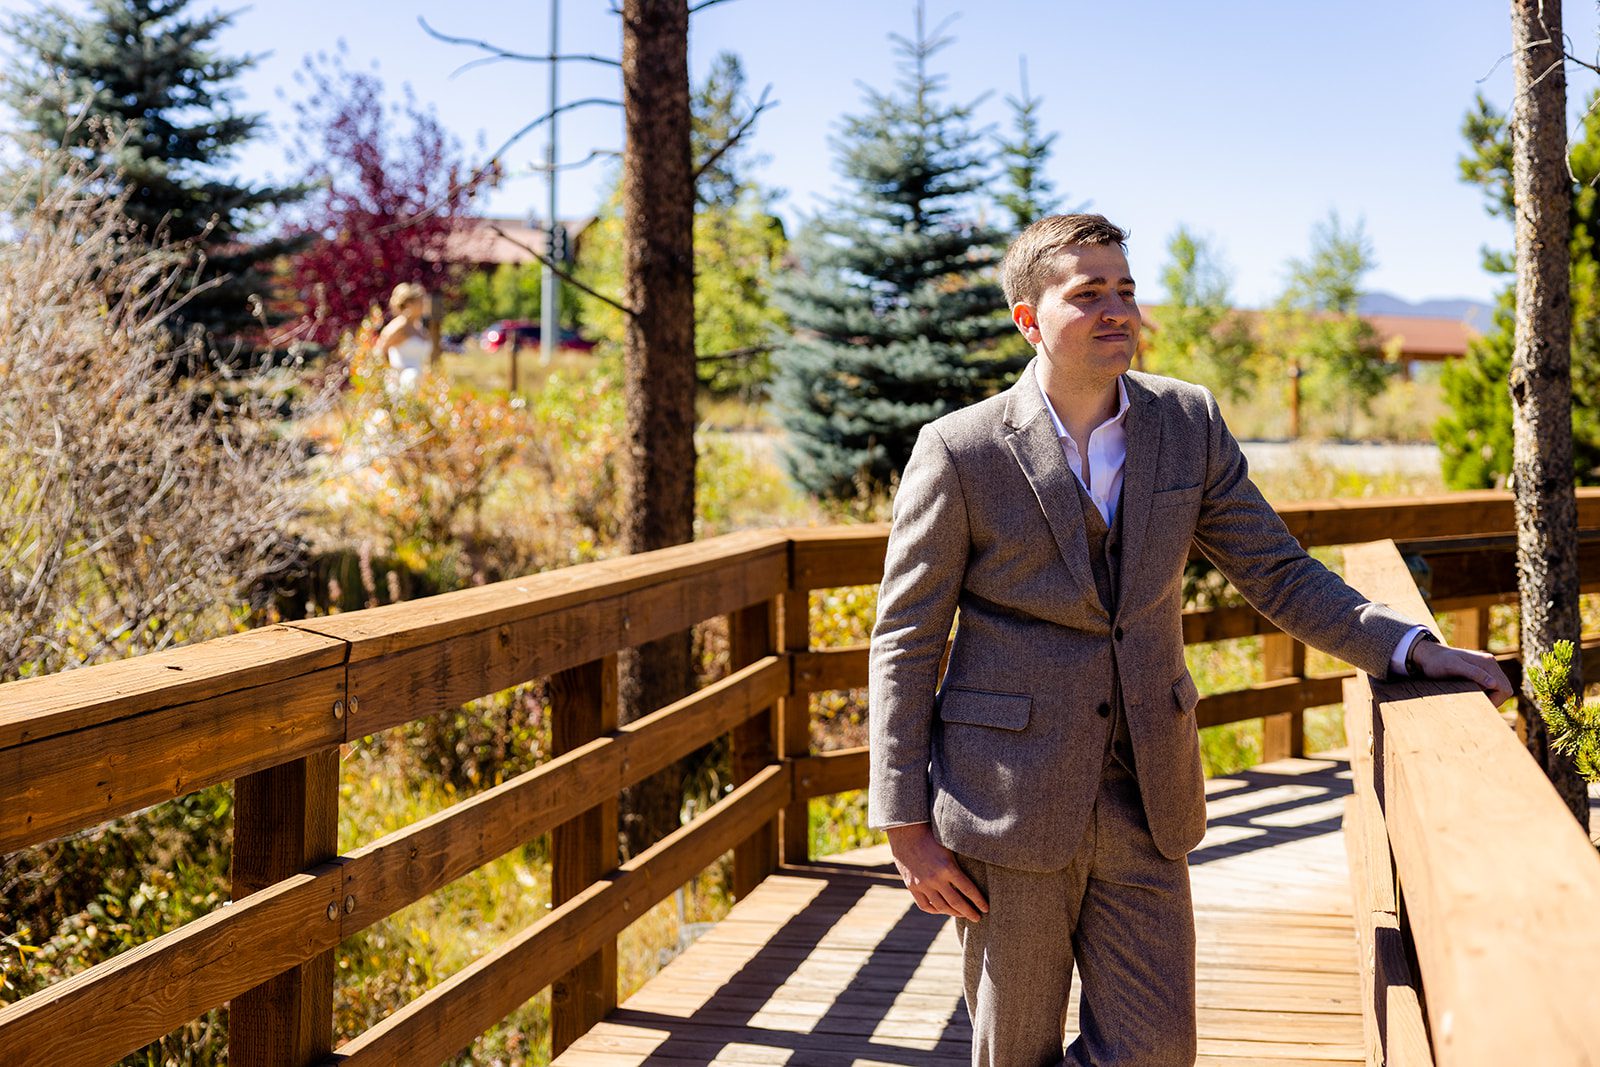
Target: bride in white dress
x,y
403,341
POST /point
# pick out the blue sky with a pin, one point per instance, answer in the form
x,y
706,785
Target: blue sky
x,y
1248,120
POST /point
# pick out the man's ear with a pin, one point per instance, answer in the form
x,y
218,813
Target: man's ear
x,y
1026,321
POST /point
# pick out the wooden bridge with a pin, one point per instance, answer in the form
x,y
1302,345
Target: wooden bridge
x,y
1423,898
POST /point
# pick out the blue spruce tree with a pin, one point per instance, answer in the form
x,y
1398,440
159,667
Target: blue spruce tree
x,y
895,307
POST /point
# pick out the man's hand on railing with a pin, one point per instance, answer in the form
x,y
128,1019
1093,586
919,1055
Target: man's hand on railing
x,y
936,880
1440,661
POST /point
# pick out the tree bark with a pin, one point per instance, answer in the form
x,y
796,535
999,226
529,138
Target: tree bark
x,y
1541,371
658,256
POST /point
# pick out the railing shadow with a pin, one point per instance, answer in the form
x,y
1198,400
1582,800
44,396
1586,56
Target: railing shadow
x,y
843,1031
1334,783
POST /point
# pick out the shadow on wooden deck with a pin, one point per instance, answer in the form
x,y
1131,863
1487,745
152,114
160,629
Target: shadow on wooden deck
x,y
831,964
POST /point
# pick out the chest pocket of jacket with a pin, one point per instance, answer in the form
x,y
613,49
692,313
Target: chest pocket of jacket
x,y
982,707
1168,498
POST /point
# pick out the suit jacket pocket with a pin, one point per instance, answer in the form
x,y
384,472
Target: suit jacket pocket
x,y
1167,498
982,707
1185,693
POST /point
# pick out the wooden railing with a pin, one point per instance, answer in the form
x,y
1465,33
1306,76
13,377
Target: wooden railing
x,y
1477,893
269,709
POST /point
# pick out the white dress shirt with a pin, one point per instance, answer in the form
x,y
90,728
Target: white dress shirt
x,y
1108,455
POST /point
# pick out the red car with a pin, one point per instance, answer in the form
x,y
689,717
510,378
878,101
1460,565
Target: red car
x,y
525,334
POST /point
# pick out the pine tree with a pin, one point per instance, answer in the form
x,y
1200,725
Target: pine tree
x,y
1199,337
895,307
1475,441
1028,194
146,74
1574,729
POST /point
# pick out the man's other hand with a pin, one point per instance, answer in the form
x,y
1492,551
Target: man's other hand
x,y
936,880
1442,661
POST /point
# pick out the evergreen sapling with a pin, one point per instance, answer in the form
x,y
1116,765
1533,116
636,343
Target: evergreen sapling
x,y
1574,730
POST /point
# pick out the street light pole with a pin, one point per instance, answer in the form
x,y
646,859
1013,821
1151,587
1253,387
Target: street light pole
x,y
549,329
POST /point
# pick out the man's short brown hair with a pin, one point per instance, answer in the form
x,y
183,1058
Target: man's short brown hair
x,y
1030,263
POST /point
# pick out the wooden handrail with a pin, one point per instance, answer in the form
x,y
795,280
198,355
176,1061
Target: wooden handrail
x,y
126,1002
1500,886
93,744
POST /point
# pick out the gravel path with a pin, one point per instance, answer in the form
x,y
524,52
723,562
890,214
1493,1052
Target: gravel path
x,y
1370,459
1373,458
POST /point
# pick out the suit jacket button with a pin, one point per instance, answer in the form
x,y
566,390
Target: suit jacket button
x,y
1119,633
1104,709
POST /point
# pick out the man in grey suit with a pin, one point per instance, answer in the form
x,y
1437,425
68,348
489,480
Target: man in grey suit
x,y
1047,790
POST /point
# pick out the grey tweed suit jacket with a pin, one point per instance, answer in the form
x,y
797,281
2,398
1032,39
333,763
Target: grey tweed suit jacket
x,y
1004,754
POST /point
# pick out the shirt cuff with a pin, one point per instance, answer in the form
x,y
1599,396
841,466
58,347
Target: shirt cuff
x,y
1397,662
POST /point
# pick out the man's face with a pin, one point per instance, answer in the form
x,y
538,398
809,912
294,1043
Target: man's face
x,y
1086,322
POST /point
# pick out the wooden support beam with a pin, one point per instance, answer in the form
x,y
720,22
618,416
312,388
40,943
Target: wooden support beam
x,y
830,772
823,669
583,707
285,821
794,721
1472,628
1268,698
1284,735
116,1007
751,636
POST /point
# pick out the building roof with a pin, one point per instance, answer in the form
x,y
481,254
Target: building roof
x,y
1419,337
493,240
1424,338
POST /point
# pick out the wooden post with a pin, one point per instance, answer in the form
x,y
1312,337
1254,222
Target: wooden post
x,y
583,705
285,819
750,636
435,325
794,724
1294,402
1472,628
1283,736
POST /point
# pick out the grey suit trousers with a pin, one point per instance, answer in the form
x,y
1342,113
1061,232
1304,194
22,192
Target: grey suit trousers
x,y
1120,911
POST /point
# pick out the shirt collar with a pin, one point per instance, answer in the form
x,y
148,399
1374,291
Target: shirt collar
x,y
1061,430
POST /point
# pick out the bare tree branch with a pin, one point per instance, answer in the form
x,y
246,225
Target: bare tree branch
x,y
560,273
734,137
594,154
588,101
746,352
496,53
703,4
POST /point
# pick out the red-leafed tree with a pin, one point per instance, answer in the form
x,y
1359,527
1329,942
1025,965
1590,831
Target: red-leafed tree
x,y
390,189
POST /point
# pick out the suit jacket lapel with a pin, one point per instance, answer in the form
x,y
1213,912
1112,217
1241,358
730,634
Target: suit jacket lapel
x,y
1143,432
1032,437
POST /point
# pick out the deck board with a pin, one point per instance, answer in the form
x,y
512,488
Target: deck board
x,y
830,964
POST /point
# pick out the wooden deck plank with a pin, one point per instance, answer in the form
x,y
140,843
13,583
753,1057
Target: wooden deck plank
x,y
830,964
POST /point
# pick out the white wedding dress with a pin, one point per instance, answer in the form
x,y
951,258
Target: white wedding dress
x,y
408,359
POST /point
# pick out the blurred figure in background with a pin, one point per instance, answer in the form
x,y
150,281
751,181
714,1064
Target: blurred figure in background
x,y
404,341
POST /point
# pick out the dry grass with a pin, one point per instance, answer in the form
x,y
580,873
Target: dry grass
x,y
1404,412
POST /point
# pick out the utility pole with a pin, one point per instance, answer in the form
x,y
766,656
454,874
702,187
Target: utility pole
x,y
549,329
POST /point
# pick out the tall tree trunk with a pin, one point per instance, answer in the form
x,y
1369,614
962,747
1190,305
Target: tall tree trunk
x,y
1541,370
658,251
